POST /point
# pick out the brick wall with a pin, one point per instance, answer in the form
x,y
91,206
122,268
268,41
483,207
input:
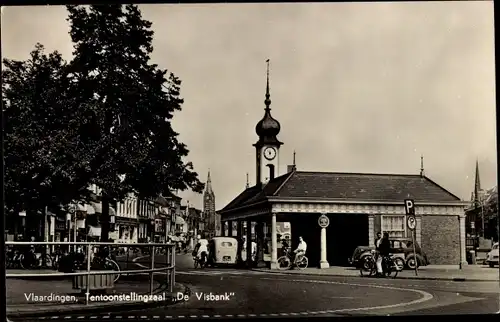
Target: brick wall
x,y
441,239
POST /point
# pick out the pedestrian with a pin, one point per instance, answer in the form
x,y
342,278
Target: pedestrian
x,y
383,250
378,239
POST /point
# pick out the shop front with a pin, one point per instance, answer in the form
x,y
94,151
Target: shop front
x,y
127,230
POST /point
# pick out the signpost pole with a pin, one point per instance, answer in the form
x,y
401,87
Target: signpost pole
x,y
411,223
414,252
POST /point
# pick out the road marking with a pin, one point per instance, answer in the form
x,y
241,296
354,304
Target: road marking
x,y
343,297
425,296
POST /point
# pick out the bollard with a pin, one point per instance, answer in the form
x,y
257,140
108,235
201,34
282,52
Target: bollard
x,y
172,271
88,274
473,257
151,274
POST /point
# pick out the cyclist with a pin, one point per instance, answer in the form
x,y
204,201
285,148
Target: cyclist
x,y
301,249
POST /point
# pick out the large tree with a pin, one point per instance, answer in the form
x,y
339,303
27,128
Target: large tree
x,y
129,105
41,162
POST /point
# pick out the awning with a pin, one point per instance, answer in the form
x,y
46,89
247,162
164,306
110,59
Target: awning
x,y
79,207
94,231
90,209
98,209
179,220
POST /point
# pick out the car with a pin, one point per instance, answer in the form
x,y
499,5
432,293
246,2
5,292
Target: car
x,y
492,257
400,248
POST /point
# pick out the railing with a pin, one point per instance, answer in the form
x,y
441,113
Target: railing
x,y
169,270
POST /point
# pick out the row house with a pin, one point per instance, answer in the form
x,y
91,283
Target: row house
x,y
126,221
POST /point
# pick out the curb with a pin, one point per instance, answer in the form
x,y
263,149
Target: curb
x,y
453,279
100,308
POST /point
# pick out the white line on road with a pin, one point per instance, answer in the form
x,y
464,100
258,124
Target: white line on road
x,y
425,296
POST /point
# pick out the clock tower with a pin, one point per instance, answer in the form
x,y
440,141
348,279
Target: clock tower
x,y
268,146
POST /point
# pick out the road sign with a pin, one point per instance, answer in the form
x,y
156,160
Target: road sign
x,y
323,221
410,207
411,222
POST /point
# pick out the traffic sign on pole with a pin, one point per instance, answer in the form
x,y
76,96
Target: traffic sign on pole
x,y
411,222
323,221
410,207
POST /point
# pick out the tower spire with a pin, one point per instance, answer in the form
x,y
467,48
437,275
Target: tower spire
x,y
268,96
208,188
477,185
422,172
293,158
248,184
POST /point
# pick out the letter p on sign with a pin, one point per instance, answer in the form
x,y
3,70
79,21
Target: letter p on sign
x,y
409,207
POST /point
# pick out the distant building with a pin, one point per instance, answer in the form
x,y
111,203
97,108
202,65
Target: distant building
x,y
482,214
212,219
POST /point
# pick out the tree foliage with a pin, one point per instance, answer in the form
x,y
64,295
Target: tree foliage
x,y
104,114
42,167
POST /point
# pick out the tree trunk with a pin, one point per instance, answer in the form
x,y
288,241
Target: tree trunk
x,y
105,218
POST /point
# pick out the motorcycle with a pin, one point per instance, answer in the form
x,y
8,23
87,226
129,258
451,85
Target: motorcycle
x,y
390,266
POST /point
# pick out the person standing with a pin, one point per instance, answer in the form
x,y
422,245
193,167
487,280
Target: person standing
x,y
383,250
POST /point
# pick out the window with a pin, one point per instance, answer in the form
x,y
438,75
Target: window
x,y
394,225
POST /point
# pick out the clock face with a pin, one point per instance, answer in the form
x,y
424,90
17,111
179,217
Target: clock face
x,y
269,153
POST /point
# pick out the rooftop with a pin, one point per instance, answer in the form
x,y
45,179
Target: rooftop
x,y
345,186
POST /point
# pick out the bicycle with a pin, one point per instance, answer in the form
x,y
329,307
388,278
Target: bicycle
x,y
390,266
285,261
106,263
32,260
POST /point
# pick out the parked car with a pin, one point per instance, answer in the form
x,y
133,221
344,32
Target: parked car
x,y
400,248
492,257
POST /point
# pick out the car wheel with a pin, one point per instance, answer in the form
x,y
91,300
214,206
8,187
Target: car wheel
x,y
411,263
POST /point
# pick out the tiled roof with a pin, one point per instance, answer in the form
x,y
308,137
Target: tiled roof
x,y
346,186
256,193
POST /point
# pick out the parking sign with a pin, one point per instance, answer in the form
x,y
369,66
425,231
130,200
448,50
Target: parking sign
x,y
410,207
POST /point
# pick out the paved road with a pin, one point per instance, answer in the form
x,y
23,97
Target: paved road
x,y
267,294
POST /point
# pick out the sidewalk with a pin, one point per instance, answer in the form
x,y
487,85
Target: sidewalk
x,y
19,289
434,272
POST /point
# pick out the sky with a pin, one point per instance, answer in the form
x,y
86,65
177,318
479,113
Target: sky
x,y
357,87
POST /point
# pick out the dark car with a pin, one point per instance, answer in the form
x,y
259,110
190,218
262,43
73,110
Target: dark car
x,y
402,248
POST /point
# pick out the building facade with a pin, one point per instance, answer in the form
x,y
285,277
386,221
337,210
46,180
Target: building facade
x,y
358,205
126,221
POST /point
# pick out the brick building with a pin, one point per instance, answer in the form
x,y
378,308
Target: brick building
x,y
357,204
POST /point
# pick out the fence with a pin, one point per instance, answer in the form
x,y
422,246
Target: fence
x,y
168,270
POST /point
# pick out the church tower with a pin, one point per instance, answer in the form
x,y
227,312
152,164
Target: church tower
x,y
212,223
268,146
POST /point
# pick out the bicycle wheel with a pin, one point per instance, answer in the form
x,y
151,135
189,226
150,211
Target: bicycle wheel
x,y
302,263
24,263
55,263
284,263
367,267
112,265
48,261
